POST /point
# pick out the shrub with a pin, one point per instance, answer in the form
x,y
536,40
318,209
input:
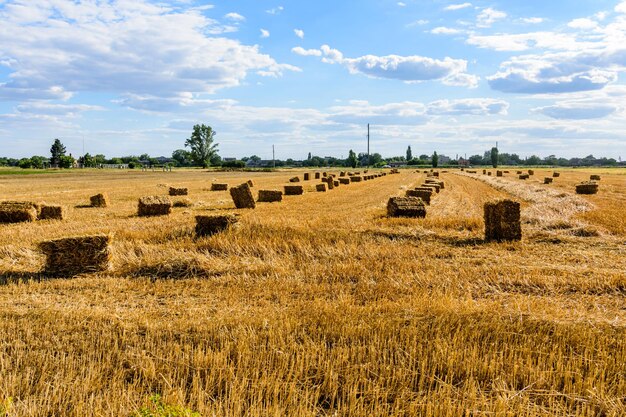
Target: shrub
x,y
233,164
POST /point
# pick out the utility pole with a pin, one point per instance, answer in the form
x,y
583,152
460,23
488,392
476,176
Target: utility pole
x,y
273,157
368,145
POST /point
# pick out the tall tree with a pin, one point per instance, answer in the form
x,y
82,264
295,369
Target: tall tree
x,y
409,154
201,145
435,159
352,160
494,157
57,151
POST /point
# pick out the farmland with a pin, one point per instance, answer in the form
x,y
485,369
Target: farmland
x,y
320,305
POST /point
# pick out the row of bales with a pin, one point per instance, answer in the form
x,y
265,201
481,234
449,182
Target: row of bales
x,y
414,203
85,254
586,187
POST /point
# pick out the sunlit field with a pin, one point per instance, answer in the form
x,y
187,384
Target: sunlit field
x,y
319,305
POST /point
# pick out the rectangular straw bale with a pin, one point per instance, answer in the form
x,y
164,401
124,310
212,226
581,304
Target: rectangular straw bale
x,y
250,183
484,172
342,173
320,187
406,207
307,176
434,185
294,179
18,211
317,175
210,225
524,176
556,174
424,194
294,190
178,191
502,220
489,173
219,187
99,200
154,205
588,187
548,180
531,172
330,183
49,212
356,178
344,180
594,177
498,173
76,255
270,196
242,196
336,183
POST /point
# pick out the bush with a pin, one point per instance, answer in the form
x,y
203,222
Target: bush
x,y
132,165
233,164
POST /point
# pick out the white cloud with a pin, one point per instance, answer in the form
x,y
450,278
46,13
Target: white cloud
x,y
621,7
44,108
401,4
526,41
235,17
275,10
298,50
265,33
441,30
458,6
299,33
473,106
488,17
577,110
123,47
583,24
420,22
532,20
409,69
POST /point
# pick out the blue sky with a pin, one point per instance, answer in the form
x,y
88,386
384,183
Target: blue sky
x,y
133,76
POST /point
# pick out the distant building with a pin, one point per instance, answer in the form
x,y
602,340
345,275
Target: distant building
x,y
263,163
397,164
229,159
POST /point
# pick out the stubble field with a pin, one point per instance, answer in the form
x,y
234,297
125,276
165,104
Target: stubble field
x,y
320,305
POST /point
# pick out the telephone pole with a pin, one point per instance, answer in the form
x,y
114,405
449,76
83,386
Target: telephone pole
x,y
368,145
273,157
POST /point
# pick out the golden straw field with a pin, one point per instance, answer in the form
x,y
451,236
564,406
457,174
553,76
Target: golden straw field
x,y
319,305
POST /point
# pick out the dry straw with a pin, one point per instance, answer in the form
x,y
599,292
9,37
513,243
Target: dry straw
x,y
270,196
294,190
219,187
178,191
99,200
356,178
210,225
242,196
548,180
154,205
320,187
250,183
502,221
344,180
294,179
423,193
556,174
307,176
49,212
498,173
406,207
594,177
76,255
589,187
18,211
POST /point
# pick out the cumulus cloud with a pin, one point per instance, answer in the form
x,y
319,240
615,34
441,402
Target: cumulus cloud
x,y
488,17
621,7
532,20
474,106
409,69
265,33
120,47
298,50
45,108
235,17
525,41
299,33
442,30
583,24
577,110
457,6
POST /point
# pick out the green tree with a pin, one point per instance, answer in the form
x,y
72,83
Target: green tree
x,y
57,151
409,153
201,145
494,157
66,161
182,157
435,159
352,160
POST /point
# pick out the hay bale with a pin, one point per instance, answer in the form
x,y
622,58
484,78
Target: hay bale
x,y
406,207
317,175
524,177
506,172
242,196
423,193
484,172
548,180
344,181
270,196
76,255
250,183
587,188
307,176
531,172
519,172
178,191
498,173
219,187
320,188
48,212
435,185
154,205
356,178
294,190
18,211
99,200
336,183
502,221
556,174
329,182
294,179
182,203
489,173
594,178
324,174
210,225
440,183
342,173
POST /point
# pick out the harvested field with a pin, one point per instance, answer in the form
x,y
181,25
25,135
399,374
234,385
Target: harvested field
x,y
154,206
320,305
49,212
